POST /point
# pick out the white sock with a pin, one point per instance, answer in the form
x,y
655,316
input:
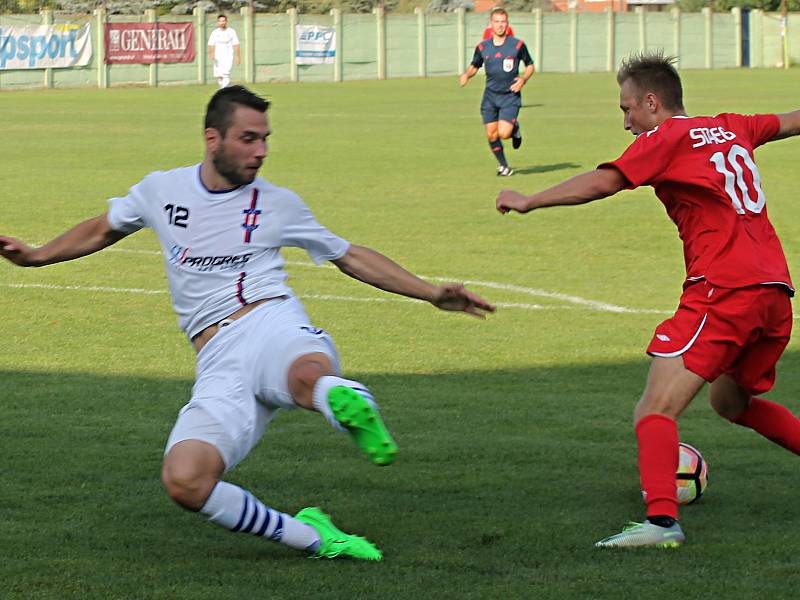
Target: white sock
x,y
320,396
237,509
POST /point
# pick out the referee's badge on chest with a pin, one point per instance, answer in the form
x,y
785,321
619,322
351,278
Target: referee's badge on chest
x,y
508,64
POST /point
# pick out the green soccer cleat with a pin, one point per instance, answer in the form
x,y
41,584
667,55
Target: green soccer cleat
x,y
335,543
363,421
645,535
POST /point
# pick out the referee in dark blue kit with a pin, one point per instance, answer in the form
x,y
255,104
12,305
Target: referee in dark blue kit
x,y
502,100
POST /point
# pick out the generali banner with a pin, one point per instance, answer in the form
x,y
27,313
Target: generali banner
x,y
147,43
45,47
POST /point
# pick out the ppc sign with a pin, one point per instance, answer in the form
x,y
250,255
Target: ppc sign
x,y
45,47
315,45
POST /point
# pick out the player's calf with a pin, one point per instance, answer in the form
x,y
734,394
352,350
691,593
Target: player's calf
x,y
239,511
773,421
516,137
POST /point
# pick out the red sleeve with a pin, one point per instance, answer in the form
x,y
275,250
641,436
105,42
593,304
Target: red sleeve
x,y
509,31
645,159
760,128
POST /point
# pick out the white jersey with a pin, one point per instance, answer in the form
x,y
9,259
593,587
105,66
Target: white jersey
x,y
221,249
223,41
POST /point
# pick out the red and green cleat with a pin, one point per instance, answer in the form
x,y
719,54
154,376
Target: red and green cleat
x,y
335,543
363,421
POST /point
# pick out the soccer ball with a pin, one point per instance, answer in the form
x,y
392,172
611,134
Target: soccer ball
x,y
692,476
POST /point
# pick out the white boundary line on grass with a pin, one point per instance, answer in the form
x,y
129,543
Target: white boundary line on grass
x,y
574,301
113,290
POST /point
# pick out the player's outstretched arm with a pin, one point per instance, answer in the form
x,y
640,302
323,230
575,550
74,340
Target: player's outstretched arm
x,y
374,268
790,125
85,238
583,188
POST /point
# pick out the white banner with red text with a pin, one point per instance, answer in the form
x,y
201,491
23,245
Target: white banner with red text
x,y
148,43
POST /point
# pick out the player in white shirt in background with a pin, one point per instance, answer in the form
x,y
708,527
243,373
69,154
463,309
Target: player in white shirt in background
x,y
223,45
221,228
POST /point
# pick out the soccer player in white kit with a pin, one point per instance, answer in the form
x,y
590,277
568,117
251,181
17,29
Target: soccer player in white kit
x,y
221,228
223,45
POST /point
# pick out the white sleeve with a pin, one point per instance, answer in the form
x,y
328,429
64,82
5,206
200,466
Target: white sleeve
x,y
301,230
212,39
234,38
128,214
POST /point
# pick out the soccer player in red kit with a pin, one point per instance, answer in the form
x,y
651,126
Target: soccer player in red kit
x,y
735,317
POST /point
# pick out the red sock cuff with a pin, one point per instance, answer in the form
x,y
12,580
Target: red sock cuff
x,y
651,418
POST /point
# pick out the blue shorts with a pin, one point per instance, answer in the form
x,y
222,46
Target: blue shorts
x,y
500,107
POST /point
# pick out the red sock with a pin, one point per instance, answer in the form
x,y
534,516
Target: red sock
x,y
658,462
774,422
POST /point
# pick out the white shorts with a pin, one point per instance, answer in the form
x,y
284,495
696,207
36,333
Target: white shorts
x,y
242,378
223,69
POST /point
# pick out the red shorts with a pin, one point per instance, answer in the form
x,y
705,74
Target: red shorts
x,y
739,332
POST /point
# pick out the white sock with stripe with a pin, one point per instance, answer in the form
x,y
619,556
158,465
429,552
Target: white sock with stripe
x,y
320,396
236,509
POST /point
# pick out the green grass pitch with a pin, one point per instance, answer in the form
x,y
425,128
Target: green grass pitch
x,y
517,450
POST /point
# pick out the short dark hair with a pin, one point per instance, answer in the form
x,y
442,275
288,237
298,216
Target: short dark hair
x,y
654,72
219,112
221,16
498,10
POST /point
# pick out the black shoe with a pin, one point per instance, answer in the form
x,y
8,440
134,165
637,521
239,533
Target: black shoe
x,y
505,171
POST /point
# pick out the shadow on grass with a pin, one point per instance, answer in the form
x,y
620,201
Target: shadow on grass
x,y
545,168
504,478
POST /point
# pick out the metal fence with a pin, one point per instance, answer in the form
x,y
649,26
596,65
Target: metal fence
x,y
378,46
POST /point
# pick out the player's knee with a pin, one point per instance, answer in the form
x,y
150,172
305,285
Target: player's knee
x,y
729,408
186,485
304,374
728,399
655,404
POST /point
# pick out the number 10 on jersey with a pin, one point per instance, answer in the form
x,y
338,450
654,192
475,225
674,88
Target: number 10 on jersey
x,y
735,178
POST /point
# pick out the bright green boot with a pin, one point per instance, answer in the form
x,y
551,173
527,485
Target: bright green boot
x,y
335,543
363,421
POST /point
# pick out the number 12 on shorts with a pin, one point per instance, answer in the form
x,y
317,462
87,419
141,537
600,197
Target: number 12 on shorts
x,y
736,178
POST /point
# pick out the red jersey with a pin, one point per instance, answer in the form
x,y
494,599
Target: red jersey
x,y
488,33
702,170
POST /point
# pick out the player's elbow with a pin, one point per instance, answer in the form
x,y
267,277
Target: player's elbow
x,y
348,262
789,125
607,183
